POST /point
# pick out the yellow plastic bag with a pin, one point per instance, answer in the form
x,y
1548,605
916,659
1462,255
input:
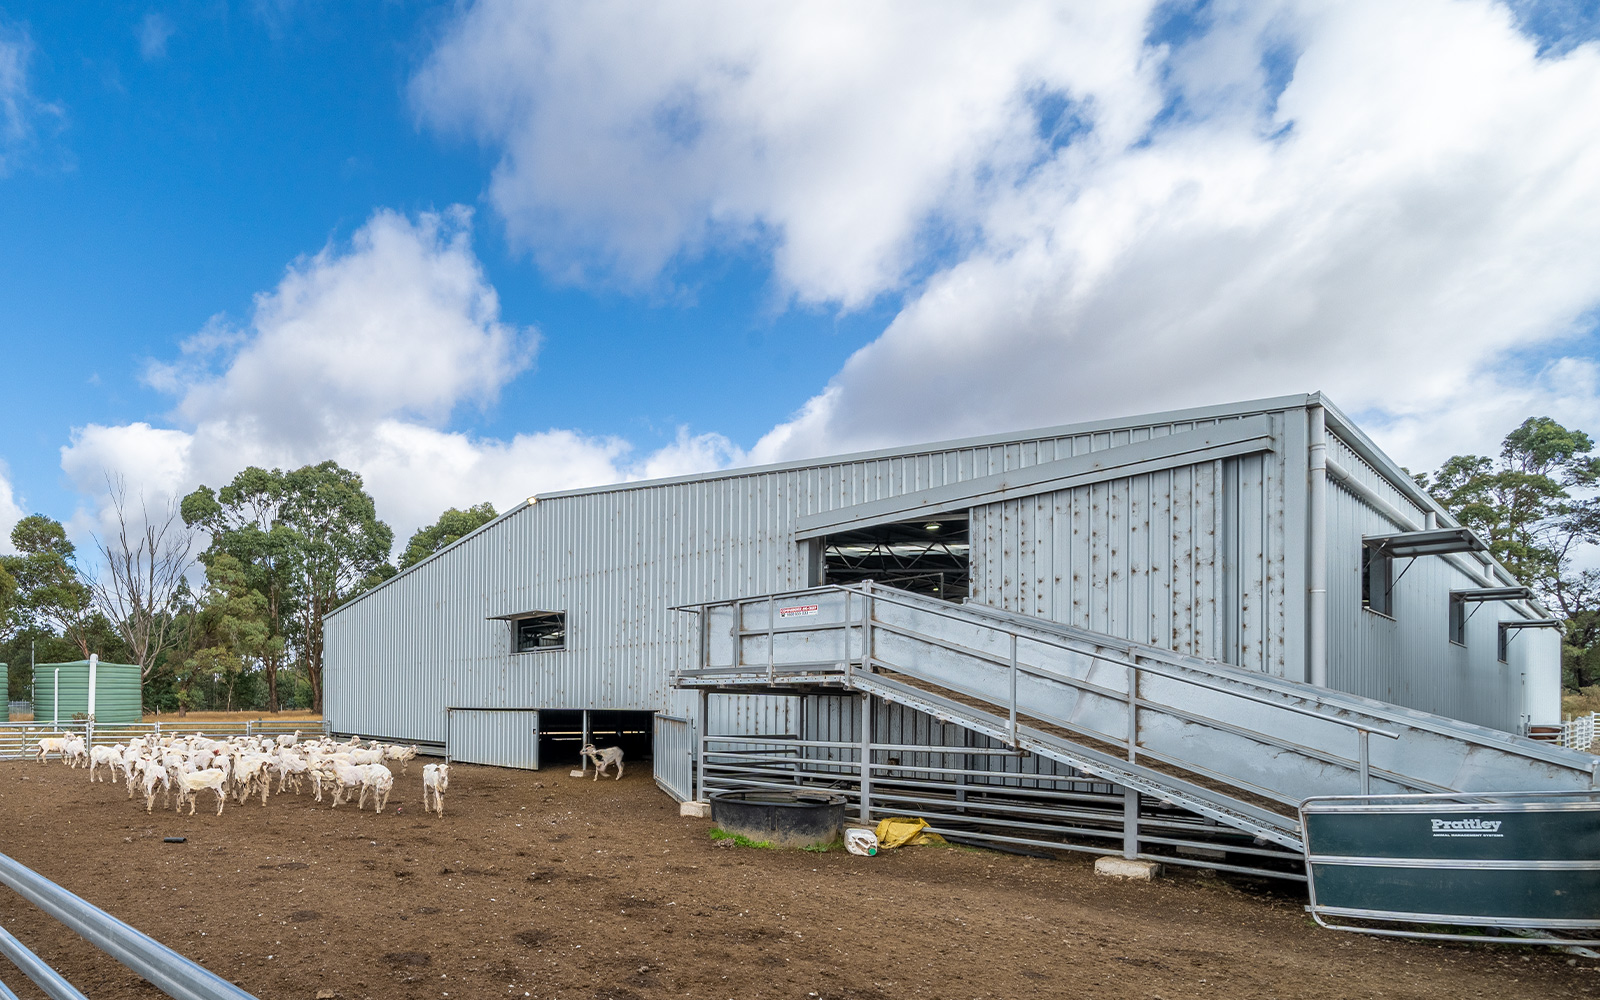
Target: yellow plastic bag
x,y
904,831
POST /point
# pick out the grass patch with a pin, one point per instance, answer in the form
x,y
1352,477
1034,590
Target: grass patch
x,y
739,839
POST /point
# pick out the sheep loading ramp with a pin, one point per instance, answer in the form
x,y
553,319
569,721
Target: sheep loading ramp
x,y
1244,750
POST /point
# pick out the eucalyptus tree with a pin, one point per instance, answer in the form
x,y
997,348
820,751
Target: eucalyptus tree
x,y
452,526
340,548
1536,506
50,594
245,522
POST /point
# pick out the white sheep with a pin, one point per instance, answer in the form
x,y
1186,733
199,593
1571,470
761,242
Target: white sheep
x,y
347,778
603,759
405,755
195,781
435,782
110,757
289,741
50,745
153,776
378,779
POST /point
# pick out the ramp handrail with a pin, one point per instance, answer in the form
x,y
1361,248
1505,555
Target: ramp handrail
x,y
178,977
1136,658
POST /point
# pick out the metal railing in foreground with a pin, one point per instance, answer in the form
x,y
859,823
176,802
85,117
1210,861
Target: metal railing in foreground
x,y
165,969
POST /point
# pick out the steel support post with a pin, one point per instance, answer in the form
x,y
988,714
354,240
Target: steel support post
x,y
587,739
1317,554
866,758
1130,823
700,756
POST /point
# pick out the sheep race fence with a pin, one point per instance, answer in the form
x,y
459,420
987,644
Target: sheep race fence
x,y
19,740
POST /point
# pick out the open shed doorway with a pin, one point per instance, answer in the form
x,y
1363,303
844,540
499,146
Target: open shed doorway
x,y
931,556
561,735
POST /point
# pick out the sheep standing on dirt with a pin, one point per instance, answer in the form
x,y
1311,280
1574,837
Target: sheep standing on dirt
x,y
107,757
194,781
435,782
603,759
49,745
380,780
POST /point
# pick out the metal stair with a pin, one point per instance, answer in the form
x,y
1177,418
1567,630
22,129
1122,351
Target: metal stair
x,y
1239,747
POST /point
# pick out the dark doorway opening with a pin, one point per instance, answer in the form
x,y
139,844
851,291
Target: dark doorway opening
x,y
931,555
561,735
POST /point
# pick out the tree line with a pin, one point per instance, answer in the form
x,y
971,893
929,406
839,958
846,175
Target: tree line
x,y
236,625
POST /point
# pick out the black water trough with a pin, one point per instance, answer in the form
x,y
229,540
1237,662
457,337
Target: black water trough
x,y
784,819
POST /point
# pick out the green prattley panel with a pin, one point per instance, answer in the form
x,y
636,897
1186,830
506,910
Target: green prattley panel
x,y
1510,894
1480,863
1451,832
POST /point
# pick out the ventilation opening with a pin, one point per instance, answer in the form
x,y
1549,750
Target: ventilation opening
x,y
561,735
931,556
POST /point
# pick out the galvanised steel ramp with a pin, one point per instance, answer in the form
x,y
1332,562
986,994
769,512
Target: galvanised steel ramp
x,y
1242,748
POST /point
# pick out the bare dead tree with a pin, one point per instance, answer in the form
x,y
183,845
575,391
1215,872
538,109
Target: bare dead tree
x,y
145,564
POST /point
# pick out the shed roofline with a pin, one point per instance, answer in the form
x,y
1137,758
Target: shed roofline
x,y
1239,409
1339,423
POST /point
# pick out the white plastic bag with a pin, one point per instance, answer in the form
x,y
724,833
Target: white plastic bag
x,y
862,842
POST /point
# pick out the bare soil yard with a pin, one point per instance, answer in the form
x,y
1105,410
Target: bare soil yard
x,y
542,885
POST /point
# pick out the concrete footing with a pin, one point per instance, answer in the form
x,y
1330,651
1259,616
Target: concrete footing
x,y
1144,871
699,810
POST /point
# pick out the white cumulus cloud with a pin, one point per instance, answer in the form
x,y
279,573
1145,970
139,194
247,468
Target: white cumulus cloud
x,y
1085,209
361,354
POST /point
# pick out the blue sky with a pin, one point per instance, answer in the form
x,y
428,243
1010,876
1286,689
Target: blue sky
x,y
600,241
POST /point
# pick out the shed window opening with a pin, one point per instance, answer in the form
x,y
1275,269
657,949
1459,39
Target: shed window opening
x,y
1458,619
1377,580
931,556
539,632
1504,651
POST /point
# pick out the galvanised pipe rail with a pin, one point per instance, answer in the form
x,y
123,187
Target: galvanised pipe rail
x,y
176,976
53,983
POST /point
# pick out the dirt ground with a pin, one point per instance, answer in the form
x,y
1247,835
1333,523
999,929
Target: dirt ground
x,y
542,885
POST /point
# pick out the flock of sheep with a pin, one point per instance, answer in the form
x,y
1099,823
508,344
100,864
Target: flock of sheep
x,y
245,766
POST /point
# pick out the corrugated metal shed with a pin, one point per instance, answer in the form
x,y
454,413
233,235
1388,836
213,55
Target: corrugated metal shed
x,y
1188,530
117,692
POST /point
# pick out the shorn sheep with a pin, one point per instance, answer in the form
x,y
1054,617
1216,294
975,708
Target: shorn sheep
x,y
435,782
603,759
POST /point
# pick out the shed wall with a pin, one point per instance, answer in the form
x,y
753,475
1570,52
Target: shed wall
x,y
617,560
1408,659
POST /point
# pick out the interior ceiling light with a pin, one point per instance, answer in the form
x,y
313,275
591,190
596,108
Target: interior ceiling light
x,y
933,525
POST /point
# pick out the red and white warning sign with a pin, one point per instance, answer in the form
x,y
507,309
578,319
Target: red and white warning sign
x,y
797,611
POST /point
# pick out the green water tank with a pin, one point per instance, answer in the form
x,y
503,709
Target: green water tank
x,y
61,692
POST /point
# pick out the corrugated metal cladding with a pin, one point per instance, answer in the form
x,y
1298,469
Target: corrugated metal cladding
x,y
752,715
1408,659
1192,558
116,692
616,560
504,739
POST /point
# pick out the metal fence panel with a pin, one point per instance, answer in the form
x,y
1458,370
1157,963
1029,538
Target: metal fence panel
x,y
674,756
499,738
